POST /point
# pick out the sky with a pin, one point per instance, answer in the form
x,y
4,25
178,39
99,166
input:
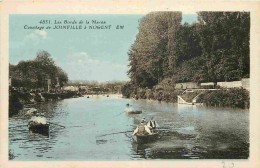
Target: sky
x,y
84,54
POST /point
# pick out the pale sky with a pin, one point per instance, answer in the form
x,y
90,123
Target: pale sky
x,y
99,55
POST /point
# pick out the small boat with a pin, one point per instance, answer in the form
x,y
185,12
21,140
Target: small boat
x,y
135,112
141,139
39,128
132,111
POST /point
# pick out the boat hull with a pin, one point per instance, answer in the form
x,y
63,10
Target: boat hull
x,y
144,138
134,112
39,128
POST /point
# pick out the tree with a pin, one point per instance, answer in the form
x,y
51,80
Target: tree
x,y
47,67
187,43
149,55
63,77
212,50
225,32
33,73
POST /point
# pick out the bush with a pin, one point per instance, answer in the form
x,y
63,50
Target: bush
x,y
126,90
158,94
235,97
167,84
207,87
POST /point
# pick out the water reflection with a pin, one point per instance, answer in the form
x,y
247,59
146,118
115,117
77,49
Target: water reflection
x,y
191,132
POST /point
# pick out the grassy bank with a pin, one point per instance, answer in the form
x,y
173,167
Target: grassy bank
x,y
236,97
160,95
153,94
17,100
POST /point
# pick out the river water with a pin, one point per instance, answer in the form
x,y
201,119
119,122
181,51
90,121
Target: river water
x,y
191,132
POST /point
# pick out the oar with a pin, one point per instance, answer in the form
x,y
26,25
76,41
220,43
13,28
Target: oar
x,y
169,128
57,124
113,133
119,114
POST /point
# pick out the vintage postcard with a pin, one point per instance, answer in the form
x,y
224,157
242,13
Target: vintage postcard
x,y
130,84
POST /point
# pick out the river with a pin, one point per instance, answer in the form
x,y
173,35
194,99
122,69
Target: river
x,y
196,132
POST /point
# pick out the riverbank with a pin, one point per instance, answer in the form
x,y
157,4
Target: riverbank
x,y
23,101
112,95
18,100
234,97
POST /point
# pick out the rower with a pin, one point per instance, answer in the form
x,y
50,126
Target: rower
x,y
128,108
142,129
152,124
38,119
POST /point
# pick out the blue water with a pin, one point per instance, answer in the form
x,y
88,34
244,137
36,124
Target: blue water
x,y
193,132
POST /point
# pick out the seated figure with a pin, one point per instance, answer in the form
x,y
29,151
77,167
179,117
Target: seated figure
x,y
142,129
38,120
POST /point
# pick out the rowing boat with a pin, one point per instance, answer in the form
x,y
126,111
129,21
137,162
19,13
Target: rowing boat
x,y
39,128
134,112
144,138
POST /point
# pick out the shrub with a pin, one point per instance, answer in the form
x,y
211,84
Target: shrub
x,y
126,90
235,97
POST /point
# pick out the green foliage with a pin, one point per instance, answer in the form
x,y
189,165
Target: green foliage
x,y
167,84
214,49
160,95
33,73
126,90
63,77
165,52
187,43
224,38
228,98
151,55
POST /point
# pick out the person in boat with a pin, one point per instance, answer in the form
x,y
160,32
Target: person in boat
x,y
38,119
152,124
128,108
142,129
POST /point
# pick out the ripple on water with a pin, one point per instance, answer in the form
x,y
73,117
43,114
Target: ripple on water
x,y
194,132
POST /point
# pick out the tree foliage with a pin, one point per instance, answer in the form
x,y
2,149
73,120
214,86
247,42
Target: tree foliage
x,y
224,38
33,73
216,48
151,55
